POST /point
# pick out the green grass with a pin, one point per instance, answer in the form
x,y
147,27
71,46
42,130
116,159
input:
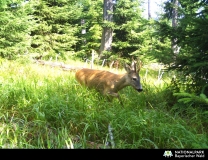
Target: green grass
x,y
44,107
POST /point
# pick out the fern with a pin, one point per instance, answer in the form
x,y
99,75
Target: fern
x,y
188,98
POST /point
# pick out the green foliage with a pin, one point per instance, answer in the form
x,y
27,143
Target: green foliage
x,y
43,107
92,16
129,30
192,99
191,34
54,28
16,24
3,5
53,33
161,42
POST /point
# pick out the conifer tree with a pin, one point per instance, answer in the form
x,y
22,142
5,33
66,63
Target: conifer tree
x,y
90,22
56,28
191,34
16,23
129,28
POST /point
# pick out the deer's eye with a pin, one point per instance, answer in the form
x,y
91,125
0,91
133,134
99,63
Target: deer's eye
x,y
134,79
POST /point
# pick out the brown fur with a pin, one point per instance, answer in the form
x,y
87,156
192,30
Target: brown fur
x,y
109,83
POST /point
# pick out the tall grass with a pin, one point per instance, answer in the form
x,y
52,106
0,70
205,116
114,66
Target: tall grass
x,y
44,107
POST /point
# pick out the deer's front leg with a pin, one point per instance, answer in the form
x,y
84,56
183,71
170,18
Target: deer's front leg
x,y
116,95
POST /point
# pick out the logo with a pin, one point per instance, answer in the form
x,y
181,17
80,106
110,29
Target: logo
x,y
167,154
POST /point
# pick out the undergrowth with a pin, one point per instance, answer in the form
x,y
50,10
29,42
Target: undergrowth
x,y
44,107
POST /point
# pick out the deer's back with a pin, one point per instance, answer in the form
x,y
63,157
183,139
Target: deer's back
x,y
98,79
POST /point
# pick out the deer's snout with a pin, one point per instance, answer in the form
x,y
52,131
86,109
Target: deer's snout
x,y
140,90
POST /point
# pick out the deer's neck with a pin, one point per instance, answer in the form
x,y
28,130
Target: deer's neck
x,y
121,82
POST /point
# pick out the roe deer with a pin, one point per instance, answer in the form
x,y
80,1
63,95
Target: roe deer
x,y
109,83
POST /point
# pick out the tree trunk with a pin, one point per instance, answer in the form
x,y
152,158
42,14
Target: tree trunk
x,y
175,47
149,9
107,34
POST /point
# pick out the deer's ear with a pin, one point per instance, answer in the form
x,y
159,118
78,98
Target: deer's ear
x,y
133,65
139,66
127,68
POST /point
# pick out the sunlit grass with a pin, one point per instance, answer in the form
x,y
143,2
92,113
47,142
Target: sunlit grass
x,y
44,107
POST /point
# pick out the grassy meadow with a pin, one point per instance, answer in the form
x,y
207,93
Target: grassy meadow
x,y
44,107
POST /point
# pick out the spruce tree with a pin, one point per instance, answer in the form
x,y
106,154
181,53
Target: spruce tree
x,y
56,28
16,24
191,34
129,28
